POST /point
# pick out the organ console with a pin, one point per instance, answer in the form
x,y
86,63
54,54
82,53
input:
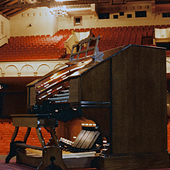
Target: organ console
x,y
122,90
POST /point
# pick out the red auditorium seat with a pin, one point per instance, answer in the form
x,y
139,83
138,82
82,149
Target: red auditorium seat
x,y
140,28
163,26
146,28
135,28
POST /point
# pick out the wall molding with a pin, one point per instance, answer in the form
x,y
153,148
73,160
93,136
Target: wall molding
x,y
29,68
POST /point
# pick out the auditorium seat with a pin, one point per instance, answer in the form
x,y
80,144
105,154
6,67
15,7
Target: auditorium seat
x,y
168,53
163,26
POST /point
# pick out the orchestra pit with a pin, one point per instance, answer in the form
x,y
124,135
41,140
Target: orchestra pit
x,y
84,84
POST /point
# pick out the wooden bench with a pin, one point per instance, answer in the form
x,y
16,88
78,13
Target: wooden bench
x,y
50,154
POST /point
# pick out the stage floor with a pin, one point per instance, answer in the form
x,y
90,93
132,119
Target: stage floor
x,y
13,166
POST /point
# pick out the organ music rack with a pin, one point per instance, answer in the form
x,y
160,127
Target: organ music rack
x,y
124,94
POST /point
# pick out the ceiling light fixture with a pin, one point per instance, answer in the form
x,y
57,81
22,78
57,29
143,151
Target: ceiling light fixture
x,y
58,9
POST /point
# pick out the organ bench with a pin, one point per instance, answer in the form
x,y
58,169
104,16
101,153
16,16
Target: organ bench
x,y
17,148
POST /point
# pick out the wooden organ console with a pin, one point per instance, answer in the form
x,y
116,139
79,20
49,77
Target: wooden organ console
x,y
123,90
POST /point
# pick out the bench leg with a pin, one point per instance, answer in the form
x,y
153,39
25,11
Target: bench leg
x,y
13,148
54,136
52,157
40,137
27,134
12,152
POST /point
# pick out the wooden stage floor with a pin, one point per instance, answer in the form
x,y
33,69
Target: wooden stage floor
x,y
13,166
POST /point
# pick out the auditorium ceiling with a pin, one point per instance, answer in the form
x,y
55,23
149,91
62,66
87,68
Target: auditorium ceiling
x,y
9,8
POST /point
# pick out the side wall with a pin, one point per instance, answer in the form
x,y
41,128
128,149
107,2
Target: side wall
x,y
4,30
35,21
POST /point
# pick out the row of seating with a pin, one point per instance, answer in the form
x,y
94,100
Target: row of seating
x,y
118,36
35,47
52,47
